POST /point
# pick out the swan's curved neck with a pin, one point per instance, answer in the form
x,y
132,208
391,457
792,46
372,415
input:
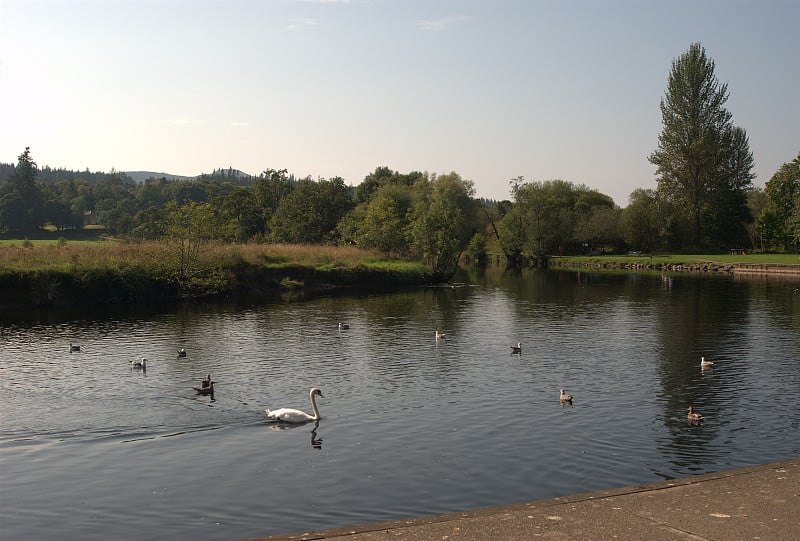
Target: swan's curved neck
x,y
314,405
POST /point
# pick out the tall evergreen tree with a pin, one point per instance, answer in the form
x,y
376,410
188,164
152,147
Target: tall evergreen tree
x,y
702,160
22,205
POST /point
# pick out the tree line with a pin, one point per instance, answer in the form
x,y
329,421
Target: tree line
x,y
705,200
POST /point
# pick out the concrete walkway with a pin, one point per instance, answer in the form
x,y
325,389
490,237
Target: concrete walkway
x,y
758,502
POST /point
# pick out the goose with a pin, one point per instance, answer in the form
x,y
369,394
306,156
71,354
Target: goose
x,y
704,363
693,415
440,335
564,397
74,347
140,364
182,352
343,326
517,349
289,415
206,389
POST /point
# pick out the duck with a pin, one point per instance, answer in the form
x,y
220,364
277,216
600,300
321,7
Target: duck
x,y
343,326
74,347
517,349
182,352
440,335
206,382
289,415
205,389
704,363
142,364
564,397
693,416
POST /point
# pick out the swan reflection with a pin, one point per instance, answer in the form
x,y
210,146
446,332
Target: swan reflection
x,y
315,440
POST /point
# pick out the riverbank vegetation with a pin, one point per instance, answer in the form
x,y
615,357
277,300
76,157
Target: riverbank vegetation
x,y
197,237
121,272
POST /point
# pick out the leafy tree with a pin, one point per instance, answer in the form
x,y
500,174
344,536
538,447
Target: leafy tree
x,y
476,249
541,219
153,193
309,214
440,227
241,217
756,202
384,219
778,221
595,219
642,221
270,190
59,214
380,177
702,160
13,213
189,228
371,183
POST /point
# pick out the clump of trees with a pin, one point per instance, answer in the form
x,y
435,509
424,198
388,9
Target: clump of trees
x,y
704,201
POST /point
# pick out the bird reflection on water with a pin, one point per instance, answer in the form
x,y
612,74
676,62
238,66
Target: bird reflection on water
x,y
315,440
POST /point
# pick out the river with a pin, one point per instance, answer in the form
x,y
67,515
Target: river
x,y
93,449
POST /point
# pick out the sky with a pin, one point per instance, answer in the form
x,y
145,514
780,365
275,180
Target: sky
x,y
492,90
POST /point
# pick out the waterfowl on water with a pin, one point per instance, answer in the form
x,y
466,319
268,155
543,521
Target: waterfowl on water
x,y
343,326
206,389
289,415
74,347
517,349
182,352
142,364
704,363
440,335
693,415
206,382
564,397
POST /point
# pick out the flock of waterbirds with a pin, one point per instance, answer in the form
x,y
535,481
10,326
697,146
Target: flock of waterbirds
x,y
296,416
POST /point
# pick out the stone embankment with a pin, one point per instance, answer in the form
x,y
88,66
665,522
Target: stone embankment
x,y
756,502
702,266
752,268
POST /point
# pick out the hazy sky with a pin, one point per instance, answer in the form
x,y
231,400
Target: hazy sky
x,y
493,90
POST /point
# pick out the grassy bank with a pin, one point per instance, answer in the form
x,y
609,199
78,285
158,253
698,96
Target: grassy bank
x,y
63,274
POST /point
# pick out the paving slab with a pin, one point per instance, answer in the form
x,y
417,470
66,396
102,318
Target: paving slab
x,y
758,502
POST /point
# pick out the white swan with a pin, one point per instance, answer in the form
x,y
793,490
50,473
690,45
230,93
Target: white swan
x,y
289,415
440,335
140,364
564,397
517,348
704,363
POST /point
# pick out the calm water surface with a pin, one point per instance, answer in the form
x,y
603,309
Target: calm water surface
x,y
92,449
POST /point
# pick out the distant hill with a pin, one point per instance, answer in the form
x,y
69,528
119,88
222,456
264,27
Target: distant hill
x,y
141,176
